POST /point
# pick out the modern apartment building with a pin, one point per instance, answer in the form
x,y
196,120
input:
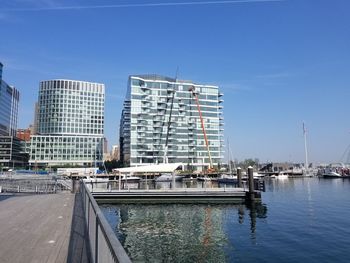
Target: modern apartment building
x,y
161,113
70,124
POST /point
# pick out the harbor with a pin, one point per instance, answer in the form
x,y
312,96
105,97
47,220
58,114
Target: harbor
x,y
70,232
295,222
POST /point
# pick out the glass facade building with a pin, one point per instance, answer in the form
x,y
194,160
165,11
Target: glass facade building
x,y
11,150
157,106
70,124
9,98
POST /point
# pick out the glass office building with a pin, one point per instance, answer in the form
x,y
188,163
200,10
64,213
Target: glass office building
x,y
11,151
160,111
70,124
9,98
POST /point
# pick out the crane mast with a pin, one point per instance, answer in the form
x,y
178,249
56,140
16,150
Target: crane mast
x,y
194,93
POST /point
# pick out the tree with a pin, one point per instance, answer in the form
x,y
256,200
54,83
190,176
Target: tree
x,y
110,165
249,162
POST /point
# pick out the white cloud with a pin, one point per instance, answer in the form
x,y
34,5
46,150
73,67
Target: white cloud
x,y
42,5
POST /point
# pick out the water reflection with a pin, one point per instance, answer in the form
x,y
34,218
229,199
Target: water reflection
x,y
180,232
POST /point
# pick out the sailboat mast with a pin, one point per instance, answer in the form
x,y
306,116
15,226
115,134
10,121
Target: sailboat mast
x,y
305,145
229,157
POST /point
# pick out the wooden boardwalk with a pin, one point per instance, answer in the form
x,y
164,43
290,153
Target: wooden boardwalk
x,y
37,228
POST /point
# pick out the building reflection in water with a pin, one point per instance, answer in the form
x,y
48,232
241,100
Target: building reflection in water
x,y
179,232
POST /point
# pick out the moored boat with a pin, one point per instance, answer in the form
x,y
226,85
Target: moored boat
x,y
168,178
130,179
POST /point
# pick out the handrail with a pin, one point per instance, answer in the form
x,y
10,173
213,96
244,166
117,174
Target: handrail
x,y
104,245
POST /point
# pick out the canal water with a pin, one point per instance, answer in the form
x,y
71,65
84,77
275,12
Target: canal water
x,y
299,220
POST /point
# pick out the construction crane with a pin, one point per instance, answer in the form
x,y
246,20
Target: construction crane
x,y
195,95
165,158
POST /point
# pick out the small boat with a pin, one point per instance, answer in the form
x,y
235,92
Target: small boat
x,y
282,175
331,173
130,179
168,178
204,179
256,175
89,179
227,179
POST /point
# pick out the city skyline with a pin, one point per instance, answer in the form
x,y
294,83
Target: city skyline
x,y
278,63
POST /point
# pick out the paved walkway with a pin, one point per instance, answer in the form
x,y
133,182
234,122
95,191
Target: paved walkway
x,y
36,228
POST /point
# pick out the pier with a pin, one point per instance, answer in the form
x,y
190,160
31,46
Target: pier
x,y
190,195
35,228
60,226
56,227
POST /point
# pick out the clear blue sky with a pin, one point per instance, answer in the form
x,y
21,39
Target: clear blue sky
x,y
278,62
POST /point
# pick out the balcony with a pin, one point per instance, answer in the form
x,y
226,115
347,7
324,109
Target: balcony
x,y
145,104
170,89
144,87
161,106
220,94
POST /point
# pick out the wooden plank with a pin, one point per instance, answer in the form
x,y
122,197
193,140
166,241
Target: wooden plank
x,y
35,228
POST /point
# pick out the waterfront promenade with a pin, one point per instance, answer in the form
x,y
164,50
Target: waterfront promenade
x,y
41,228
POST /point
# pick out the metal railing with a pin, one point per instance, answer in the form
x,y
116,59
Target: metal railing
x,y
104,245
32,185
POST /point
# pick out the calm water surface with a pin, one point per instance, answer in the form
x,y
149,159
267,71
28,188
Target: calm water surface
x,y
299,220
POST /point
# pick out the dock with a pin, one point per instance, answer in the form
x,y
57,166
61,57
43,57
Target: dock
x,y
189,195
38,228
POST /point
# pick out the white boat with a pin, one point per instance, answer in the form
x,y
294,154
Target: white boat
x,y
130,179
282,175
227,179
204,179
90,179
256,175
330,173
168,178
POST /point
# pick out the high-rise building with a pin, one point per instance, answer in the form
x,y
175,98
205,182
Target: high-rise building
x,y
160,122
9,98
70,124
115,152
11,150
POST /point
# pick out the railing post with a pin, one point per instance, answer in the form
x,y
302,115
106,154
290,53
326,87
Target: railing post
x,y
96,240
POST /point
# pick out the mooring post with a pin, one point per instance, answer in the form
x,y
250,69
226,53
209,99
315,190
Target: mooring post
x,y
251,183
239,176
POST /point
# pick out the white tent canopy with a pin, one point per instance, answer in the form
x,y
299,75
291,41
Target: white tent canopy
x,y
154,168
